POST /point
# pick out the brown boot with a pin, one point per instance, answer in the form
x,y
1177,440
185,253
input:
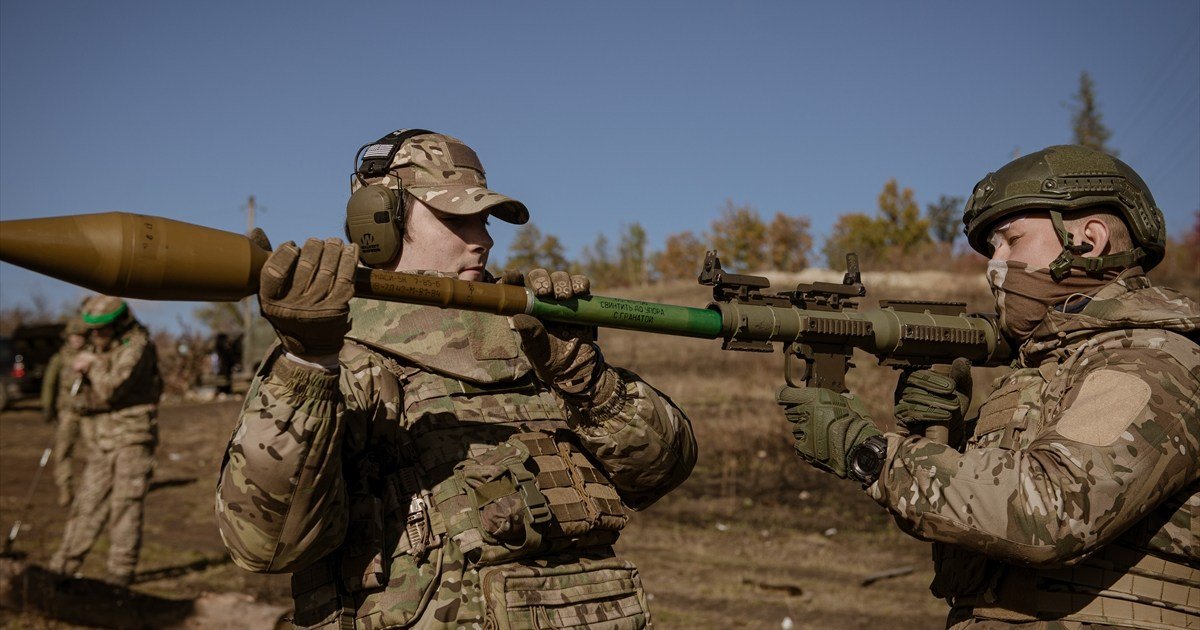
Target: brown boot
x,y
64,496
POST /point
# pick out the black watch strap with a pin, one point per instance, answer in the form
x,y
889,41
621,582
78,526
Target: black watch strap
x,y
866,459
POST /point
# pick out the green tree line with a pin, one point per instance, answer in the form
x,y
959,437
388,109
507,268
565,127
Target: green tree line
x,y
749,242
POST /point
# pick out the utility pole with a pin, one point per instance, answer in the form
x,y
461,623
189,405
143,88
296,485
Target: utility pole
x,y
250,215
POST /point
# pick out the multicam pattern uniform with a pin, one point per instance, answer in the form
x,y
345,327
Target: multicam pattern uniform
x,y
446,174
120,416
1077,497
405,490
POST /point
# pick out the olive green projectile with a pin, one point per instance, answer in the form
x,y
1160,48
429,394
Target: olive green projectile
x,y
136,256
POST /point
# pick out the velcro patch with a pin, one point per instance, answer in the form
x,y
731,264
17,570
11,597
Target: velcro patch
x,y
1107,403
464,156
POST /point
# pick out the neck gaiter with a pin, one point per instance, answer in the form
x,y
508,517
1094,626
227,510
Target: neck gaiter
x,y
1024,295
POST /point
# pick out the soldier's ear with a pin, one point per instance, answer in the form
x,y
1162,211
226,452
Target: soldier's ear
x,y
1095,233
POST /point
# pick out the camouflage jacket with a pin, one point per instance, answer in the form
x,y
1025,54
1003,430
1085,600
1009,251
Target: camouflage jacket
x,y
430,395
124,386
59,380
1087,451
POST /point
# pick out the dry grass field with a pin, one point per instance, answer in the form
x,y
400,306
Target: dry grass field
x,y
754,539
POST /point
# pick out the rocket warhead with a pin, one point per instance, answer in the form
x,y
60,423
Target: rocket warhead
x,y
136,256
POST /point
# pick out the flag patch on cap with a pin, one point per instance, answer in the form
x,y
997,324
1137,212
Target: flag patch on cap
x,y
378,151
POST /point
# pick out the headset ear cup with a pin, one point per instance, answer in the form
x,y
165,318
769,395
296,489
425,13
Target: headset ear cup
x,y
371,215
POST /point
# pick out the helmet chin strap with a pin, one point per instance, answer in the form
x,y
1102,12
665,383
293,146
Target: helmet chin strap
x,y
1072,254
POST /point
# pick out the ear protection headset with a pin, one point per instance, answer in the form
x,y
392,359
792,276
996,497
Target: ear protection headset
x,y
375,213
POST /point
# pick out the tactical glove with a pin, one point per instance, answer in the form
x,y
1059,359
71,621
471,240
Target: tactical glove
x,y
826,425
563,355
926,398
305,294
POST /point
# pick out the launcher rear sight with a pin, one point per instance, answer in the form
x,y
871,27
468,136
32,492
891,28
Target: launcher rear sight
x,y
817,296
825,359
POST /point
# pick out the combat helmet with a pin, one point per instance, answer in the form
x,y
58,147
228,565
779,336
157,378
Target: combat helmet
x,y
99,311
1063,178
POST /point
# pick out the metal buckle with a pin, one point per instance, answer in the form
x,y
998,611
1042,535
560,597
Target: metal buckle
x,y
416,511
416,528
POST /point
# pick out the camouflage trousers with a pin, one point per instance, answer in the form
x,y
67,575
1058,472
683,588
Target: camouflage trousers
x,y
71,427
113,489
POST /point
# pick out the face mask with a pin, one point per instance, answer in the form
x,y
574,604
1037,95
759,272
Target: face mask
x,y
1024,295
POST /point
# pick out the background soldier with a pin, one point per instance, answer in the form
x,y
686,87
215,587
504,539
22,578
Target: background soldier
x,y
62,397
1075,502
435,468
121,370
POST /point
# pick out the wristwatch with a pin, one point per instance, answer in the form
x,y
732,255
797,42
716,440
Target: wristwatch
x,y
866,460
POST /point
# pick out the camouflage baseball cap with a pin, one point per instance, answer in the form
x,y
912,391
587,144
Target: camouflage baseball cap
x,y
445,174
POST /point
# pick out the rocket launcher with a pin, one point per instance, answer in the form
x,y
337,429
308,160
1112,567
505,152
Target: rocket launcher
x,y
819,324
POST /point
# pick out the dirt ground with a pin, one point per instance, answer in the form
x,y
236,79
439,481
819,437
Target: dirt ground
x,y
753,539
708,561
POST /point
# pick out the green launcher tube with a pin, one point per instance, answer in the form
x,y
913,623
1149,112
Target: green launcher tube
x,y
608,312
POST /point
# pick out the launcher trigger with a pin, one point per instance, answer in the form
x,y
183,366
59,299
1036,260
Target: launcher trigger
x,y
793,360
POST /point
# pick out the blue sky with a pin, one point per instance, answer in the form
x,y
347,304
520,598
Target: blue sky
x,y
595,115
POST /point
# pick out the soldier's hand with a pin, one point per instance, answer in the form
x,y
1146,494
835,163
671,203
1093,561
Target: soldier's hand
x,y
825,424
305,294
82,362
563,355
934,398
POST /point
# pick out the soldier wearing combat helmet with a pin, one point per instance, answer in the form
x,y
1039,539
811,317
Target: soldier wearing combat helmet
x,y
119,370
420,467
1074,501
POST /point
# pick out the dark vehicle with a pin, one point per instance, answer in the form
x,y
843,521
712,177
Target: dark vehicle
x,y
23,359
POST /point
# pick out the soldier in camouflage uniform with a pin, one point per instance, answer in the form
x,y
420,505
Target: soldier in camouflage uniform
x,y
62,397
121,409
419,467
1075,500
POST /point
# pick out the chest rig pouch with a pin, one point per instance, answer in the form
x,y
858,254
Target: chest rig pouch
x,y
508,478
1013,412
505,476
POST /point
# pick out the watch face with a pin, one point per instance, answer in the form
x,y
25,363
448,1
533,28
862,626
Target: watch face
x,y
867,460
